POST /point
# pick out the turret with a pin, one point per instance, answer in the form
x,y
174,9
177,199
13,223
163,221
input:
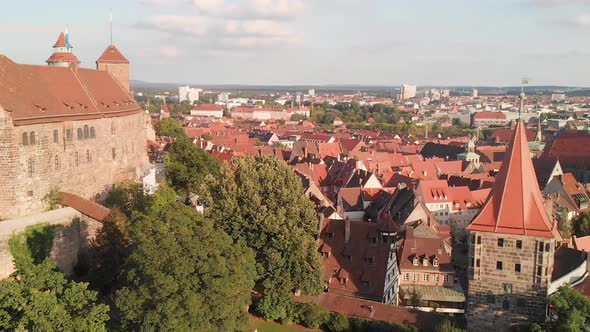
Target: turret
x,y
113,61
62,55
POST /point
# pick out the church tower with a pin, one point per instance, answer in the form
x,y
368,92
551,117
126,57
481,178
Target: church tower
x,y
116,64
511,248
62,55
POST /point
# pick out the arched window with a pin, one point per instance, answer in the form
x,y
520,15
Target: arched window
x,y
56,161
32,138
76,159
55,136
86,132
79,133
88,156
506,305
92,134
69,134
30,168
25,139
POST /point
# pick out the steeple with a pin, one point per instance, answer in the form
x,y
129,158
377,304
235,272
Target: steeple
x,y
516,205
62,55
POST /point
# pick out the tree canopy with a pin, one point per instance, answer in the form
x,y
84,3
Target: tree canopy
x,y
38,297
261,201
184,275
187,166
582,224
572,309
169,127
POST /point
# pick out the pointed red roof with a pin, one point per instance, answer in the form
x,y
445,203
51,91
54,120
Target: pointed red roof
x,y
63,57
112,54
61,41
516,205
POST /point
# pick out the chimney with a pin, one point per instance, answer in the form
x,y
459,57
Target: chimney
x,y
346,230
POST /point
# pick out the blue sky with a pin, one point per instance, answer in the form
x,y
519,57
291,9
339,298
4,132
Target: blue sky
x,y
370,42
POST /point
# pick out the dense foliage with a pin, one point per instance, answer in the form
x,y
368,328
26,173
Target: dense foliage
x,y
183,275
38,297
582,224
169,127
187,166
572,309
261,201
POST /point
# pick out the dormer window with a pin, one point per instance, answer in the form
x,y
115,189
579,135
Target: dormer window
x,y
425,261
347,258
370,260
415,261
435,262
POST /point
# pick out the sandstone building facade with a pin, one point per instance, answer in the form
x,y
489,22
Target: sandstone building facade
x,y
67,128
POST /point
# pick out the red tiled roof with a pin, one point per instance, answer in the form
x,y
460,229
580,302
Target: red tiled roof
x,y
425,321
112,54
503,135
61,41
42,94
208,107
572,149
489,115
84,206
63,57
516,205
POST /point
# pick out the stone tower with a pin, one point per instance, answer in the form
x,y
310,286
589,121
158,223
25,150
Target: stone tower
x,y
62,53
116,64
511,248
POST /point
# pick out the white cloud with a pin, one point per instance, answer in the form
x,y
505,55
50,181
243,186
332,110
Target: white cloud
x,y
582,20
170,52
216,26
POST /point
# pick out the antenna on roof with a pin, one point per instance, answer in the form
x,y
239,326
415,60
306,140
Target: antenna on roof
x,y
111,21
522,96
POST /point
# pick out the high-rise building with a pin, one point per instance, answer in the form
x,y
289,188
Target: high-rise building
x,y
558,96
407,91
188,93
474,93
311,92
223,97
512,246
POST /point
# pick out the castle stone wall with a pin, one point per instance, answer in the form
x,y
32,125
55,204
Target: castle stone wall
x,y
85,167
72,232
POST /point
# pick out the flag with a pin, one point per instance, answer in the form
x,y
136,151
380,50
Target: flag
x,y
67,38
525,81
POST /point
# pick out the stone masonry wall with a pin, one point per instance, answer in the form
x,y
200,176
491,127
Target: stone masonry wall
x,y
72,233
120,72
491,306
83,167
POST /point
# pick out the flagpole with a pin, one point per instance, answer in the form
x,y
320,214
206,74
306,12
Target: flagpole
x,y
111,19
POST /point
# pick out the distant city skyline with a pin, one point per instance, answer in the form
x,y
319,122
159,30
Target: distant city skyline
x,y
317,42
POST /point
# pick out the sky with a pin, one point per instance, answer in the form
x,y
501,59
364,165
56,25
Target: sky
x,y
316,42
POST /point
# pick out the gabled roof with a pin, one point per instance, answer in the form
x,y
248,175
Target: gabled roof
x,y
516,205
112,54
42,94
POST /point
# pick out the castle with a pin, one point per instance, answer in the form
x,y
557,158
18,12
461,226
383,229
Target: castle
x,y
68,128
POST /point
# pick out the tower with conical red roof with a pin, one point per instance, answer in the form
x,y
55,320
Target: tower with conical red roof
x,y
113,61
62,55
511,249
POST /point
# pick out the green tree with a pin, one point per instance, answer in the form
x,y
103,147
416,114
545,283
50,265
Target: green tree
x,y
448,326
572,309
187,166
109,251
183,274
169,127
128,196
38,297
582,224
260,200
